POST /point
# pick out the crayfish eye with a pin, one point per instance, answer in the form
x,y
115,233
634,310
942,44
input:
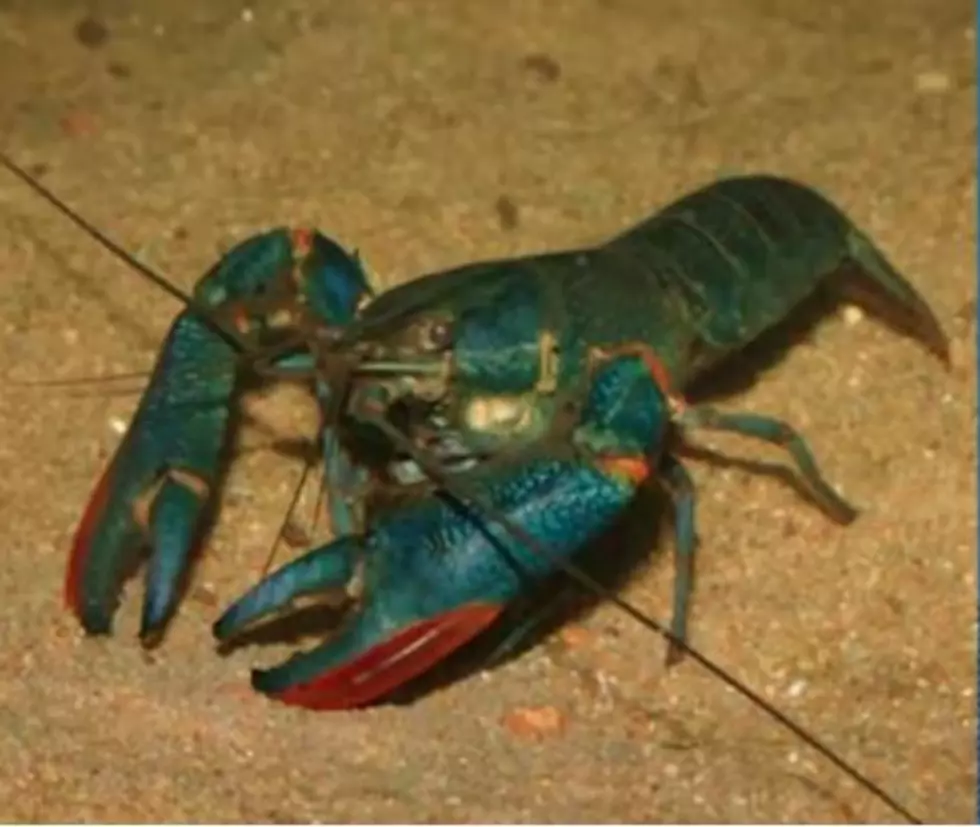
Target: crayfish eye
x,y
436,335
214,295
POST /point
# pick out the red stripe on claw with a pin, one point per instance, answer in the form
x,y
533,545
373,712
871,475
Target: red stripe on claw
x,y
81,546
393,662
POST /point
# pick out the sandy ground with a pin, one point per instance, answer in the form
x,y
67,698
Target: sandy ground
x,y
428,134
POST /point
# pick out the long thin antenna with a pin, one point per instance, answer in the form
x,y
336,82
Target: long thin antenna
x,y
81,380
201,310
468,495
293,503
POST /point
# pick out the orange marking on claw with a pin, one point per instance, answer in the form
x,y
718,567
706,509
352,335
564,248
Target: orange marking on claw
x,y
302,241
657,369
634,469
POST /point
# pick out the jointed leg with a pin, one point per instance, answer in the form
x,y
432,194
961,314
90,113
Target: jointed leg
x,y
679,485
778,433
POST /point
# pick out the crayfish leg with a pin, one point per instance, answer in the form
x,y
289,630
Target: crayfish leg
x,y
780,434
355,670
680,486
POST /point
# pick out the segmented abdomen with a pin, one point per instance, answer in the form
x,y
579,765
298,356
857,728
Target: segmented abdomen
x,y
704,276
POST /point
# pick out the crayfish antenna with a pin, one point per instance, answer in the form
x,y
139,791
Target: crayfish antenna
x,y
203,312
470,497
284,525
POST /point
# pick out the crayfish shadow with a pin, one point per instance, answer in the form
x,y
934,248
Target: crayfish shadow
x,y
611,560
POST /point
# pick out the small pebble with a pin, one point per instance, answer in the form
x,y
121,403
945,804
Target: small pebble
x,y
967,311
535,722
118,70
796,688
91,32
205,595
247,15
852,315
295,535
959,357
117,425
77,124
507,213
932,82
543,66
575,637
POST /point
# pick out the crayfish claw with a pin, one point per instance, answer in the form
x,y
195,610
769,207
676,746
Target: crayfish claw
x,y
98,558
171,523
332,566
156,483
159,479
370,659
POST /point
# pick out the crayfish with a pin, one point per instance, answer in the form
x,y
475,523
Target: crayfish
x,y
529,400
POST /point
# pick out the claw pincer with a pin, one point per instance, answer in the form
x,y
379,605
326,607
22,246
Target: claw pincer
x,y
161,480
431,576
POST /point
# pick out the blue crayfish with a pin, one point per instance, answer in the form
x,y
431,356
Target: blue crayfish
x,y
528,398
547,389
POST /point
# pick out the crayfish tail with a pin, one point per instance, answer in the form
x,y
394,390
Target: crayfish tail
x,y
873,282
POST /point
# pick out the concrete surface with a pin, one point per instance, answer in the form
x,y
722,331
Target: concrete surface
x,y
430,133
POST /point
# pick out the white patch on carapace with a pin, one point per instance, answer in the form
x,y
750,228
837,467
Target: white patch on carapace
x,y
497,413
